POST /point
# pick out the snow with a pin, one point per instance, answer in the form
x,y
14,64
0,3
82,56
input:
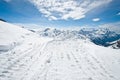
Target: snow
x,y
42,58
12,35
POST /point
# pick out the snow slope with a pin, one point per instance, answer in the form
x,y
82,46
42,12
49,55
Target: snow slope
x,y
11,35
40,58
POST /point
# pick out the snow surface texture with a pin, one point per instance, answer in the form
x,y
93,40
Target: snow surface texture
x,y
41,58
11,35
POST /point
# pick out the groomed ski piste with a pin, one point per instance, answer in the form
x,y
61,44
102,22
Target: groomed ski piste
x,y
27,56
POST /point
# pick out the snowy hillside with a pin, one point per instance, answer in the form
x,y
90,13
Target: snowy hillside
x,y
41,58
11,36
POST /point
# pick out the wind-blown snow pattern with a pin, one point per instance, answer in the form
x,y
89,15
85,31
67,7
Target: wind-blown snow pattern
x,y
43,58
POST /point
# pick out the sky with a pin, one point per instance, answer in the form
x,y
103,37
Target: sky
x,y
60,13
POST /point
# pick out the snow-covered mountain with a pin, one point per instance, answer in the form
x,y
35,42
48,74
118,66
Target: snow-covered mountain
x,y
64,56
100,36
115,44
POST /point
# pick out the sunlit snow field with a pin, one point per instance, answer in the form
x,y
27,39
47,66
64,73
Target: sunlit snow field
x,y
25,55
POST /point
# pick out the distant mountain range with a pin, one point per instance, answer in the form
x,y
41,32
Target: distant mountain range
x,y
99,36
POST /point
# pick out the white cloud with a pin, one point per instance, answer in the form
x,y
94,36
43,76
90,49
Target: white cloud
x,y
112,26
52,18
96,19
65,9
118,13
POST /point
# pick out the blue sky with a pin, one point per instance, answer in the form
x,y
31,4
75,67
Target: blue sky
x,y
60,12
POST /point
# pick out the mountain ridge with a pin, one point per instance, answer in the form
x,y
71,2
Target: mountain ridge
x,y
99,36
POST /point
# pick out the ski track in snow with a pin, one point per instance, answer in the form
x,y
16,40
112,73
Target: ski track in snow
x,y
53,60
